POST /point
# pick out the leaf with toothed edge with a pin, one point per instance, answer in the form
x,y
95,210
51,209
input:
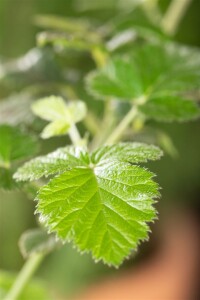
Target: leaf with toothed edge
x,y
103,203
162,76
53,163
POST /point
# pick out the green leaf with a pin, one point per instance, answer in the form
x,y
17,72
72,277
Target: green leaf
x,y
34,290
54,163
36,241
160,74
61,115
55,128
127,152
6,180
119,79
170,109
100,201
50,109
15,145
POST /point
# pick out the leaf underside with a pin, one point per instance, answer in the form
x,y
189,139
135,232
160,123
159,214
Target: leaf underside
x,y
100,201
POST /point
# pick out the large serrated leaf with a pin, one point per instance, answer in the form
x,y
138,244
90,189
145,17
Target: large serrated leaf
x,y
100,201
161,75
103,210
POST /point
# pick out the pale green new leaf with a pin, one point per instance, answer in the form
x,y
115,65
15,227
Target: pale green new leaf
x,y
50,109
56,162
55,128
61,115
101,201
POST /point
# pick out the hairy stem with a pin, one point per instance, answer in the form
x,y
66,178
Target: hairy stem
x,y
174,15
24,276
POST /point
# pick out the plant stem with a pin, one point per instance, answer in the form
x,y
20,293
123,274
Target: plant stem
x,y
174,15
123,125
24,276
99,57
74,135
152,11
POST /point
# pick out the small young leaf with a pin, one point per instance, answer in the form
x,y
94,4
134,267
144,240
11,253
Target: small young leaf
x,y
36,241
50,109
100,201
55,128
15,145
61,115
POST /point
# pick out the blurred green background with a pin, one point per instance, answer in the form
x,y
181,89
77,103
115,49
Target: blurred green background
x,y
65,270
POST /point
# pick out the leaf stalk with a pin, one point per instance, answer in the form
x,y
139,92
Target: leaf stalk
x,y
24,276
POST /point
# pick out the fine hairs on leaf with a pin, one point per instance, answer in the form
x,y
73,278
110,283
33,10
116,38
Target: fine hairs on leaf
x,y
100,201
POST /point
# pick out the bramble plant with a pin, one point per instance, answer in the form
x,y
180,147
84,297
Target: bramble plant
x,y
96,192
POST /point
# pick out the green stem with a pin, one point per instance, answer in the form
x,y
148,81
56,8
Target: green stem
x,y
123,125
152,11
24,276
174,15
74,135
99,56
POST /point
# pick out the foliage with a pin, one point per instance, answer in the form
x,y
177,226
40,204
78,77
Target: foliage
x,y
103,190
61,115
15,146
98,194
158,75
